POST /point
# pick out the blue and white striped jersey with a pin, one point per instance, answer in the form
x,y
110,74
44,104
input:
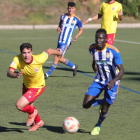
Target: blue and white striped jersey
x,y
68,26
106,61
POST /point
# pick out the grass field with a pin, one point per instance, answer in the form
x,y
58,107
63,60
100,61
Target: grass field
x,y
64,94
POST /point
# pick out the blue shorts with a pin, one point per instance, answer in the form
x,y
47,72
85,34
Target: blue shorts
x,y
64,47
96,88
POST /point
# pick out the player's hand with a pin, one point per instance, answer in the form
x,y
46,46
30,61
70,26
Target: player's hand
x,y
75,39
86,21
110,84
120,13
19,74
59,30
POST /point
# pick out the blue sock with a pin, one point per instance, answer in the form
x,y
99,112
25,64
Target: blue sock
x,y
52,68
68,63
101,119
98,102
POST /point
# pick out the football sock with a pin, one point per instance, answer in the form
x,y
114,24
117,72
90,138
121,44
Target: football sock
x,y
28,109
101,119
37,118
98,102
52,68
68,63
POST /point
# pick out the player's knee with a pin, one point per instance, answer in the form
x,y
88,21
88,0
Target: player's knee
x,y
104,111
18,106
86,106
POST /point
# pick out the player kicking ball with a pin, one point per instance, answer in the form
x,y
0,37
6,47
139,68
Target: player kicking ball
x,y
109,69
30,67
67,25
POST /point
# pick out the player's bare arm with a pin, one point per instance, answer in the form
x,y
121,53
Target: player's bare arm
x,y
79,33
120,15
12,74
53,52
98,16
94,66
118,77
59,29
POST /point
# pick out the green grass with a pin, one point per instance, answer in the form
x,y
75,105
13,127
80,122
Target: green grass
x,y
64,94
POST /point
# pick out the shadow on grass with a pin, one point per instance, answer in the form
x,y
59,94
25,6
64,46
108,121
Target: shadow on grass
x,y
60,129
6,129
54,129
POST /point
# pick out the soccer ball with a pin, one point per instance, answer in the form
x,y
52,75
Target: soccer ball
x,y
71,125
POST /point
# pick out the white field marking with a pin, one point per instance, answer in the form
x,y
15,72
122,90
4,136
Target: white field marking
x,y
127,41
52,38
49,62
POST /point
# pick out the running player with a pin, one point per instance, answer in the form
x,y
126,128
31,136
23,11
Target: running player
x,y
109,70
30,66
110,13
66,27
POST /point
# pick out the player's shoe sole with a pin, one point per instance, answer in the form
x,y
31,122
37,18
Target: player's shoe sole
x,y
36,126
75,70
31,118
45,76
95,131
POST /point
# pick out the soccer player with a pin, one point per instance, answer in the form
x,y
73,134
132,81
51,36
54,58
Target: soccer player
x,y
30,66
110,13
66,27
109,70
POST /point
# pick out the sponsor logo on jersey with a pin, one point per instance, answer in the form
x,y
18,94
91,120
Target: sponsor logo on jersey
x,y
36,69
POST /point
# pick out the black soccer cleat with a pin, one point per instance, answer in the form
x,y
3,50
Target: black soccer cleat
x,y
75,70
45,76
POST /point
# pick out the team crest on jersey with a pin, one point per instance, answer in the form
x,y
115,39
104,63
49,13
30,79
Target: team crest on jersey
x,y
113,8
107,55
73,21
36,69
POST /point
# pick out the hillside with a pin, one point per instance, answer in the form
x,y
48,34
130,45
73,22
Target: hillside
x,y
46,11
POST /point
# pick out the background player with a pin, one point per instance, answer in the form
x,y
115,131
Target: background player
x,y
110,13
66,27
108,61
30,66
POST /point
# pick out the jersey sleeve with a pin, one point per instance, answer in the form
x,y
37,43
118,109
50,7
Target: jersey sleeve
x,y
61,20
14,63
101,9
120,8
79,24
117,58
42,57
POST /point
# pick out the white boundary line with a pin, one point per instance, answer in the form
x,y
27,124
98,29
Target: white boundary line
x,y
87,26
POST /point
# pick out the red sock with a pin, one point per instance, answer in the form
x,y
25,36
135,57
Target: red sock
x,y
37,118
28,109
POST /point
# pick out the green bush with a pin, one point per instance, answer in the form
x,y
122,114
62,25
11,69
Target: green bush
x,y
130,7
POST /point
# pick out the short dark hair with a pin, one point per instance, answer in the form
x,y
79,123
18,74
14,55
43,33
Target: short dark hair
x,y
71,4
25,45
101,31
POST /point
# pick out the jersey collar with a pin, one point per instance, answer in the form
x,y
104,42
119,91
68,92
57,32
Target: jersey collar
x,y
102,49
111,2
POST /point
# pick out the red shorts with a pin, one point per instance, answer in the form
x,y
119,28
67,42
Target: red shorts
x,y
110,38
31,94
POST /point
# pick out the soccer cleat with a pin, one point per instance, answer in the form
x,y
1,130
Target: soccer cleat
x,y
36,126
45,76
95,130
75,70
31,118
100,107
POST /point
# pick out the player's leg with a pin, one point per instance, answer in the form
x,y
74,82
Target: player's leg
x,y
70,64
92,93
109,98
53,66
25,104
110,38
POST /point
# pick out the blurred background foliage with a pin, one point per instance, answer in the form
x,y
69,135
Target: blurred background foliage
x,y
48,11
